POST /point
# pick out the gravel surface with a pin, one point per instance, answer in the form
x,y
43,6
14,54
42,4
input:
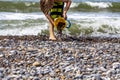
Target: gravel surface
x,y
73,58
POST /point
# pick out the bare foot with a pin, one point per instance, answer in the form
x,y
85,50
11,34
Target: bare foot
x,y
52,38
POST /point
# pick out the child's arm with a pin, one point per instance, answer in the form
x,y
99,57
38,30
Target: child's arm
x,y
49,18
68,3
45,6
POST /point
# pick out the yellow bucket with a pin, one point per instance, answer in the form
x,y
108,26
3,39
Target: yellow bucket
x,y
60,23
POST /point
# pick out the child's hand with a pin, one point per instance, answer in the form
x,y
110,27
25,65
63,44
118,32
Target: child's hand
x,y
64,16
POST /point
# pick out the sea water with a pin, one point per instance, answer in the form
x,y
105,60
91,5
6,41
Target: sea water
x,y
90,17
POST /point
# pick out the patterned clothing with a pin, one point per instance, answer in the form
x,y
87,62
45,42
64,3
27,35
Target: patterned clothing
x,y
46,5
57,10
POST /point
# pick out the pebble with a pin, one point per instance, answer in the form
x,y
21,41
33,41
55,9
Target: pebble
x,y
59,60
36,63
1,55
36,78
116,65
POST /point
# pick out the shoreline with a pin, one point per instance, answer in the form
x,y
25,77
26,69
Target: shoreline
x,y
64,38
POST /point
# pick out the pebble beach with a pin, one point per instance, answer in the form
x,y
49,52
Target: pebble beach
x,y
73,58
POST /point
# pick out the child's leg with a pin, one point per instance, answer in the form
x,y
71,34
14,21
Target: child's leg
x,y
51,31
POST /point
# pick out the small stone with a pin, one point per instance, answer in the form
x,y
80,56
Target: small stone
x,y
78,77
58,70
62,77
69,68
33,72
1,55
52,73
46,71
1,70
116,65
103,69
36,78
111,72
36,63
92,48
97,77
1,75
89,69
12,52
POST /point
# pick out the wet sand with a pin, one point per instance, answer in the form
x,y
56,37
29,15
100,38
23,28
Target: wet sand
x,y
73,58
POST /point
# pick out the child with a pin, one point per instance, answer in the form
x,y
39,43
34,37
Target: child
x,y
54,9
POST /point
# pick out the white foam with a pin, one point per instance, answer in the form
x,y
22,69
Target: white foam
x,y
99,4
20,16
96,20
24,31
76,15
74,5
85,20
88,15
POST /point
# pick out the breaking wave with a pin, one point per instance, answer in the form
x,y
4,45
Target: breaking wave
x,y
81,6
96,6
